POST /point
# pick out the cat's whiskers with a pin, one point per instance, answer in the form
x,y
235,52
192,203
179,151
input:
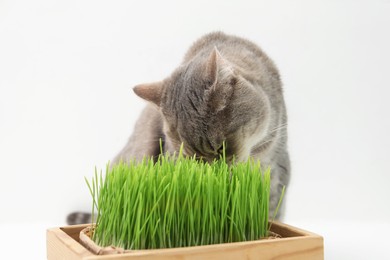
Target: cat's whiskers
x,y
274,135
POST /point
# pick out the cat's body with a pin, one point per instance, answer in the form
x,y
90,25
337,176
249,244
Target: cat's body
x,y
225,90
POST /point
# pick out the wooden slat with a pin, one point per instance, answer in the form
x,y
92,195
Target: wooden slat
x,y
304,248
296,244
62,246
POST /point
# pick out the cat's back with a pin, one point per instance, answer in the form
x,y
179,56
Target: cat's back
x,y
239,51
223,42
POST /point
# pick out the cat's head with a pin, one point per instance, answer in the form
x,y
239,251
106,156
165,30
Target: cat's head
x,y
207,102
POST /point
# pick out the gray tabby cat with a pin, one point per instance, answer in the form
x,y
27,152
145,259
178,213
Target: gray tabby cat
x,y
225,90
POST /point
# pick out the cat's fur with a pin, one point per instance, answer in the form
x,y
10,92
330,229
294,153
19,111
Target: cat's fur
x,y
225,90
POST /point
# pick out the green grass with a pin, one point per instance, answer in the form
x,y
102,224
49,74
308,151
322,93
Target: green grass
x,y
179,201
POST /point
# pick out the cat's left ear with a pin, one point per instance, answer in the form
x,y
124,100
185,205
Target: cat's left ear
x,y
150,92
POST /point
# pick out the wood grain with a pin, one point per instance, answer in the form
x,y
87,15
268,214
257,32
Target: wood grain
x,y
295,244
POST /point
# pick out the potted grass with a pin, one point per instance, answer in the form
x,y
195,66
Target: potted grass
x,y
182,208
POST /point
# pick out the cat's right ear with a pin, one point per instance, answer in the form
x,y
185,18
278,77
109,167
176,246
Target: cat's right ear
x,y
150,92
217,67
212,65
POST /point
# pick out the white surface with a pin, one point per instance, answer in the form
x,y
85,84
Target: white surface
x,y
66,105
342,240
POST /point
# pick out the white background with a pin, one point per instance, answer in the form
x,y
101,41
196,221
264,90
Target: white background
x,y
66,105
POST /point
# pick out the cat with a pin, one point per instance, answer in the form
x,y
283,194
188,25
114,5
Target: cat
x,y
226,90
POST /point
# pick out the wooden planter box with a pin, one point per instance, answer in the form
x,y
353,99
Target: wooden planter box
x,y
63,243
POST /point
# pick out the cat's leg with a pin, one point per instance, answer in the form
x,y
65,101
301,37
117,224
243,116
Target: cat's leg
x,y
280,176
145,140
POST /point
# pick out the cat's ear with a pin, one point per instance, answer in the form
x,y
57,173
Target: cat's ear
x,y
217,66
213,64
150,91
222,81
